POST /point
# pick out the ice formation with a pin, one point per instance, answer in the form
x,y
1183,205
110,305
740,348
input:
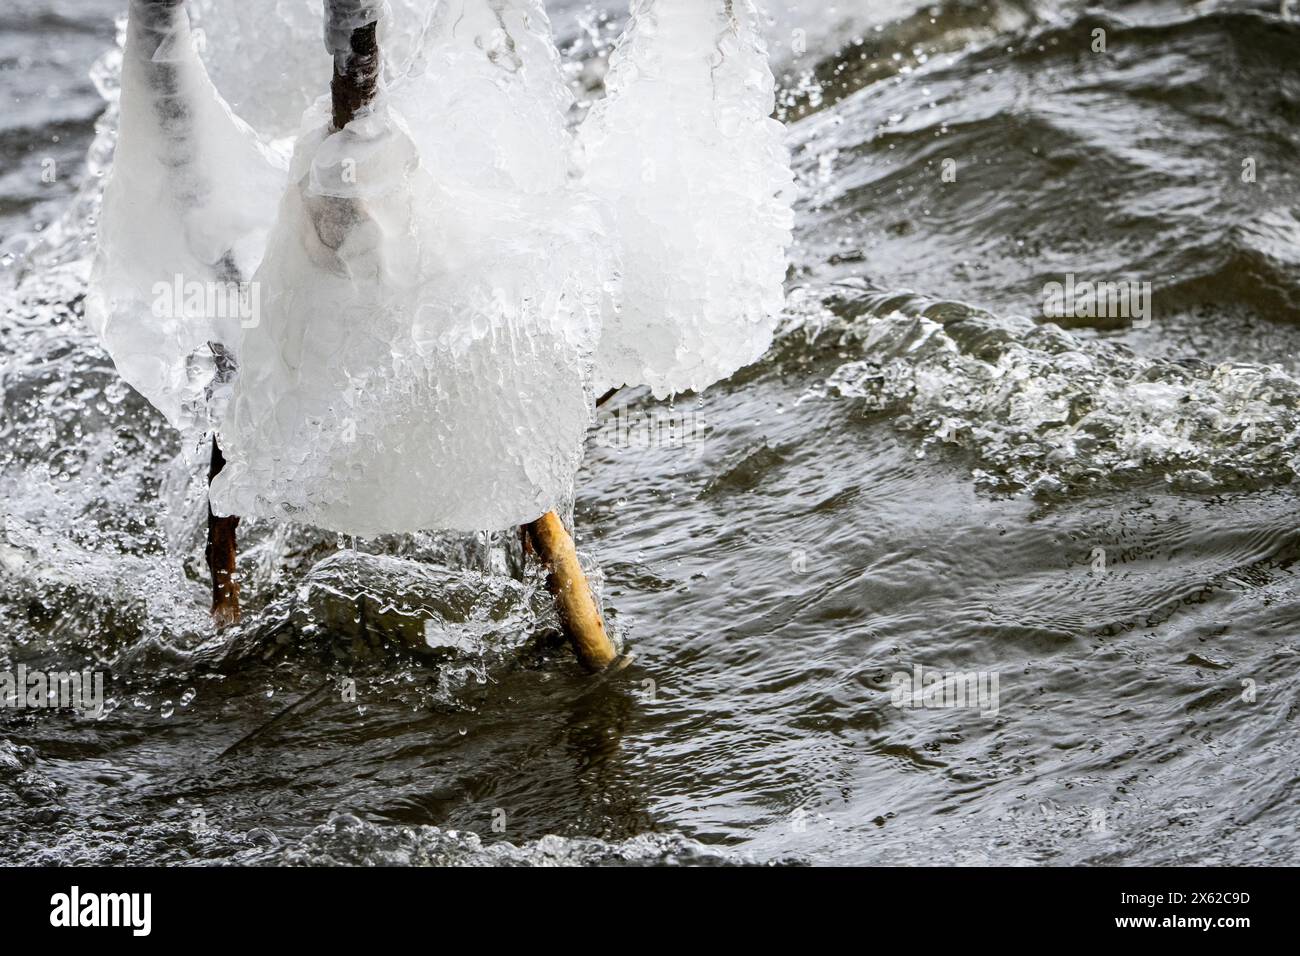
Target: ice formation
x,y
490,96
186,209
440,286
684,151
265,57
424,351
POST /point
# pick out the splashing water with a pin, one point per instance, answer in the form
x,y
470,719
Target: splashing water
x,y
1102,515
1051,412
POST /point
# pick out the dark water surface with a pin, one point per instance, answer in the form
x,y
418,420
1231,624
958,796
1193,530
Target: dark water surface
x,y
921,472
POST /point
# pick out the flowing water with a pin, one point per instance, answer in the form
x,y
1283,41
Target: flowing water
x,y
1097,513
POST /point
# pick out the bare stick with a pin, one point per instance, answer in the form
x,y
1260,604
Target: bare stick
x,y
573,598
351,35
220,553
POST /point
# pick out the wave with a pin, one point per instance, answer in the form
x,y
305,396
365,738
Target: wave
x,y
1044,410
985,173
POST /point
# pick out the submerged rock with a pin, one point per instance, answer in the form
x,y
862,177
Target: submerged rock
x,y
368,603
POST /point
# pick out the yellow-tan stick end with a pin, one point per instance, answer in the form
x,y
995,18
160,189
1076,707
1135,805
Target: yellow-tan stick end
x,y
566,581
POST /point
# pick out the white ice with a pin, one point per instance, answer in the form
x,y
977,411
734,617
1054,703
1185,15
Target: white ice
x,y
487,99
685,153
445,282
264,56
423,359
187,206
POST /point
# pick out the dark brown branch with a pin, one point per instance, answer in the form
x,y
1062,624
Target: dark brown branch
x,y
220,553
356,75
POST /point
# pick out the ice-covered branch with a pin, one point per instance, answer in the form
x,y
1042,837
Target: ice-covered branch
x,y
185,210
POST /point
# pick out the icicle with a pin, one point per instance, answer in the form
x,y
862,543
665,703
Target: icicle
x,y
186,209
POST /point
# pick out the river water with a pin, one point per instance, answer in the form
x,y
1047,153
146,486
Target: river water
x,y
1094,517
